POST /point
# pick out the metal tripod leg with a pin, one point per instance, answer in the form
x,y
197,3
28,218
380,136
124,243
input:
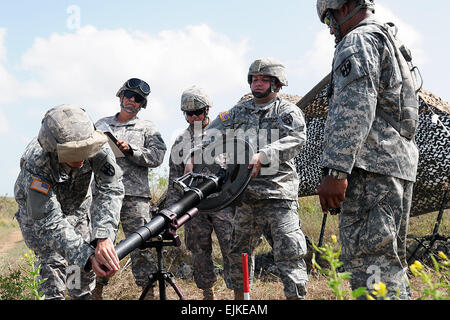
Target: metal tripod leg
x,y
153,278
169,279
435,236
162,277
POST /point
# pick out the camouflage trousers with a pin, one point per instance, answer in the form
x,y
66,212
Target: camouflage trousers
x,y
373,228
198,240
278,221
134,214
60,276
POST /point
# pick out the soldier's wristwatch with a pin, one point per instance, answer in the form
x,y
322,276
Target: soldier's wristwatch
x,y
339,175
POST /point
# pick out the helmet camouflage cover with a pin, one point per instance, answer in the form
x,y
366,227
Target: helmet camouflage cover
x,y
268,67
69,132
324,5
194,99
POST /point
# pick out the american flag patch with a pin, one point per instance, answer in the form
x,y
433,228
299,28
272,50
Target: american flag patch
x,y
224,117
40,186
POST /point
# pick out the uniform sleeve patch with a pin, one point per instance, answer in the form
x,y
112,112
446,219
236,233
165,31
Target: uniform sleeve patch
x,y
108,169
346,68
40,186
287,118
224,116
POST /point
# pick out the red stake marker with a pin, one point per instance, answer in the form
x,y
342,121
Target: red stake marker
x,y
246,277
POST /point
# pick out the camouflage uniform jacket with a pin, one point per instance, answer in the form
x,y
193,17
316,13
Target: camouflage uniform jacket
x,y
366,76
183,144
282,140
53,198
148,152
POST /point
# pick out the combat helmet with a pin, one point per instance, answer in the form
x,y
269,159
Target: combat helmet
x,y
268,67
68,131
138,86
195,98
324,5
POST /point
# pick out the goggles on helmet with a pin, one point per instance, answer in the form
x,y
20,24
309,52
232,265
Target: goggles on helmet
x,y
135,83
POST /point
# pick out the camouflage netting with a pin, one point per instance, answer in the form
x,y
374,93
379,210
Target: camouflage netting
x,y
432,139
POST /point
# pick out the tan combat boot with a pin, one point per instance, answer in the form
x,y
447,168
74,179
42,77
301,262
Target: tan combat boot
x,y
238,295
98,292
208,294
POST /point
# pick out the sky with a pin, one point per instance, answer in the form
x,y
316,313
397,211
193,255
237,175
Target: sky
x,y
81,52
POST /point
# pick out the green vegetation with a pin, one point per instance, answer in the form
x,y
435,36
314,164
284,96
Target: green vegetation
x,y
434,282
22,283
18,277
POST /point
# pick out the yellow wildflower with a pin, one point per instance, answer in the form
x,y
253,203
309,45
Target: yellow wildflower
x,y
380,289
334,238
28,254
442,255
369,297
416,267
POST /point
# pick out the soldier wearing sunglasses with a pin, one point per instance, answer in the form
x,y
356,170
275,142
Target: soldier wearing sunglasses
x,y
144,149
195,104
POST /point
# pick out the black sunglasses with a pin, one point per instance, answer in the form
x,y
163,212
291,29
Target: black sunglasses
x,y
137,97
135,83
195,112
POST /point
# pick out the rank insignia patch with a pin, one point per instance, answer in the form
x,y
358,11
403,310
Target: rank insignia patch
x,y
40,186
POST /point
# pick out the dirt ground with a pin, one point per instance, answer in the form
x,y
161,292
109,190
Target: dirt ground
x,y
10,241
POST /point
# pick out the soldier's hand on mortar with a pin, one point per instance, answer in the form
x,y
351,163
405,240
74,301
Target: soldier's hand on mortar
x,y
332,193
105,256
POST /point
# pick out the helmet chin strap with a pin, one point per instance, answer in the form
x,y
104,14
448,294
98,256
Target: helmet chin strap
x,y
351,14
263,95
337,24
269,91
205,120
337,29
130,110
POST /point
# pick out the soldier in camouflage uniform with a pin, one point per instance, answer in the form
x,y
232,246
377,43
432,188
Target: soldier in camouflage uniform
x,y
370,156
62,219
195,104
144,148
276,129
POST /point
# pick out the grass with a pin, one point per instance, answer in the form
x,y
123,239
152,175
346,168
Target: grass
x,y
122,286
9,228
